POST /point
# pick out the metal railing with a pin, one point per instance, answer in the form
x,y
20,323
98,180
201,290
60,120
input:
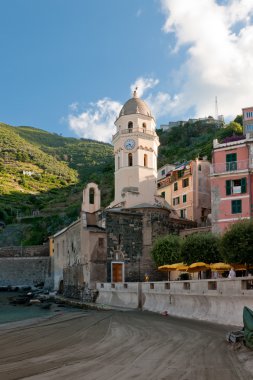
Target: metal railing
x,y
134,130
229,166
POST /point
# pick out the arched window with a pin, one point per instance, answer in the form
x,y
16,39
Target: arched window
x,y
130,159
118,162
91,196
145,160
130,126
144,126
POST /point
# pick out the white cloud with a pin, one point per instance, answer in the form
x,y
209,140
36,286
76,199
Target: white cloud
x,y
74,106
218,39
143,84
162,103
97,122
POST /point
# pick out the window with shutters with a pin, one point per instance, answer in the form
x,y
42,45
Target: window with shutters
x,y
175,186
183,213
236,186
231,162
236,206
184,198
176,201
185,182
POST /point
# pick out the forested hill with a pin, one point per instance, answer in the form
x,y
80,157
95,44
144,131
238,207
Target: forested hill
x,y
42,174
191,140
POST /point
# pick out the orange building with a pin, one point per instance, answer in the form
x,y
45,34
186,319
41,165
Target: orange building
x,y
187,189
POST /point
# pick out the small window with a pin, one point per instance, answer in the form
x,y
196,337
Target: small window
x,y
100,242
130,126
163,194
180,173
145,160
130,159
183,214
144,126
175,186
176,201
91,196
184,198
118,162
163,172
185,182
199,167
236,206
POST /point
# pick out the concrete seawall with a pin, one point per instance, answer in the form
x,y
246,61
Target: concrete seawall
x,y
219,301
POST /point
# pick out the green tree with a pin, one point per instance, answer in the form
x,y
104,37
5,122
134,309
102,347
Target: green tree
x,y
237,243
200,247
239,119
167,250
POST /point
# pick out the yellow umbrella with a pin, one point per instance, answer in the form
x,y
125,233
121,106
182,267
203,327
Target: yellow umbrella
x,y
238,267
219,267
169,267
198,267
182,268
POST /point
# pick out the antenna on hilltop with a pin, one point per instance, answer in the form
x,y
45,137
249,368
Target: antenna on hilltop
x,y
216,108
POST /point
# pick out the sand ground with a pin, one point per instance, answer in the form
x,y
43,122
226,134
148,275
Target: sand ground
x,y
101,345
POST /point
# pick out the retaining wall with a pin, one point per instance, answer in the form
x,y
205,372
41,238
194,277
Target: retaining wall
x,y
20,271
220,301
27,251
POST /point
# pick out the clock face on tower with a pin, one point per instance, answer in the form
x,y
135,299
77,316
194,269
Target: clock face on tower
x,y
129,144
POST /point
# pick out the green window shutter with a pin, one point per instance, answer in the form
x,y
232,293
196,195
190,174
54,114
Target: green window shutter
x,y
244,185
184,198
228,187
231,161
236,206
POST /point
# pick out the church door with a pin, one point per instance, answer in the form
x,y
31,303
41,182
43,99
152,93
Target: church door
x,y
117,272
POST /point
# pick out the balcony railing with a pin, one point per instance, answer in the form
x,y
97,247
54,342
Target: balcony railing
x,y
133,130
229,166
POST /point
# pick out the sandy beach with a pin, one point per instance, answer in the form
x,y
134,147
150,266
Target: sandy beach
x,y
96,345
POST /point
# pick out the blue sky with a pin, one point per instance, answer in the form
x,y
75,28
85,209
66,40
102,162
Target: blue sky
x,y
67,66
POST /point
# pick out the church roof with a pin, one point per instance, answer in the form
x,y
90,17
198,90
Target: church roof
x,y
135,105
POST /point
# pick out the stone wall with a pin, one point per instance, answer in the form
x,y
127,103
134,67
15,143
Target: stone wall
x,y
29,251
131,234
25,271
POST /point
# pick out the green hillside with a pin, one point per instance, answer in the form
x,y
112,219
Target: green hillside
x,y
191,140
42,174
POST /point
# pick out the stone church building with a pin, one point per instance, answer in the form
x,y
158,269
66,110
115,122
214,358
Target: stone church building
x,y
114,244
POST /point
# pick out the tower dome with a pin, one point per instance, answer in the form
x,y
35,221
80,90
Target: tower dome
x,y
135,105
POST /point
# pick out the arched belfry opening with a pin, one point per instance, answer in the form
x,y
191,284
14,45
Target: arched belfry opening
x,y
130,159
130,126
91,198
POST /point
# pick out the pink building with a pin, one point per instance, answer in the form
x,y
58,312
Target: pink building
x,y
232,179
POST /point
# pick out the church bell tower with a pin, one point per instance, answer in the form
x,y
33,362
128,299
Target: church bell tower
x,y
135,151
